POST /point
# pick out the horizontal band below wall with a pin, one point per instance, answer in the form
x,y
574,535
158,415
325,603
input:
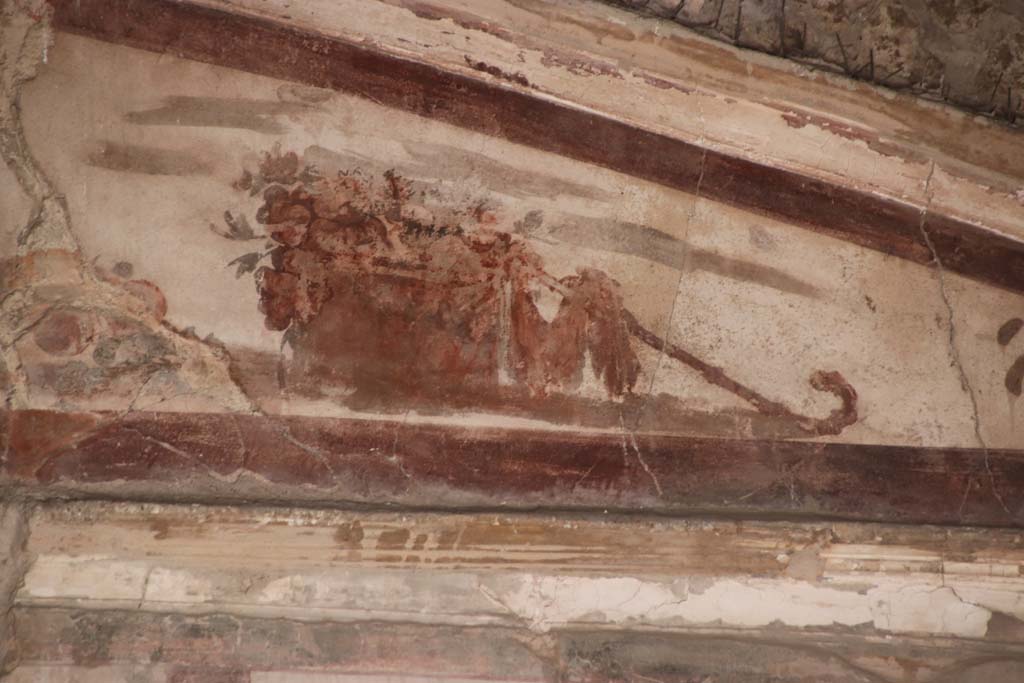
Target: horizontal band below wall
x,y
178,456
123,646
517,113
533,572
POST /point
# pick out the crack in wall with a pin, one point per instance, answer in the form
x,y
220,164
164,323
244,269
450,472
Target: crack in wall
x,y
954,351
47,237
24,38
28,36
14,566
662,354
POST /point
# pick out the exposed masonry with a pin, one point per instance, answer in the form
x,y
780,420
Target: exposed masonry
x,y
13,566
48,273
26,40
969,54
540,601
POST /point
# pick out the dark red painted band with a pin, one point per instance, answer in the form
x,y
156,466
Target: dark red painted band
x,y
357,461
264,47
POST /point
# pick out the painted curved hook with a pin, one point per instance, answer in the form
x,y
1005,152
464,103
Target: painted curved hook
x,y
831,382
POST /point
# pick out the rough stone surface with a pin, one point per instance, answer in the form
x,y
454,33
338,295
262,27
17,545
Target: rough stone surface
x,y
13,565
230,648
969,54
117,646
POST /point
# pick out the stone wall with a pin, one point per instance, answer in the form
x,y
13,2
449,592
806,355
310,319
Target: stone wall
x,y
969,54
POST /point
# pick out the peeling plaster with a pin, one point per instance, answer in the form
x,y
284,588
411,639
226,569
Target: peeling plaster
x,y
546,602
542,601
48,273
26,39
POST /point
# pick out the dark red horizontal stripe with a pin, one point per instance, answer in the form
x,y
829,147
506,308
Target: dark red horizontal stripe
x,y
264,47
180,456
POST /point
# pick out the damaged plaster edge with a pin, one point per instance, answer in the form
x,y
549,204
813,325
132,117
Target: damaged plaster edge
x,y
28,35
273,12
547,602
541,602
160,575
48,234
14,568
615,13
819,65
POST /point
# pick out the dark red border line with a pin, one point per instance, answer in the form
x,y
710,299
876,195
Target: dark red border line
x,y
264,47
391,463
